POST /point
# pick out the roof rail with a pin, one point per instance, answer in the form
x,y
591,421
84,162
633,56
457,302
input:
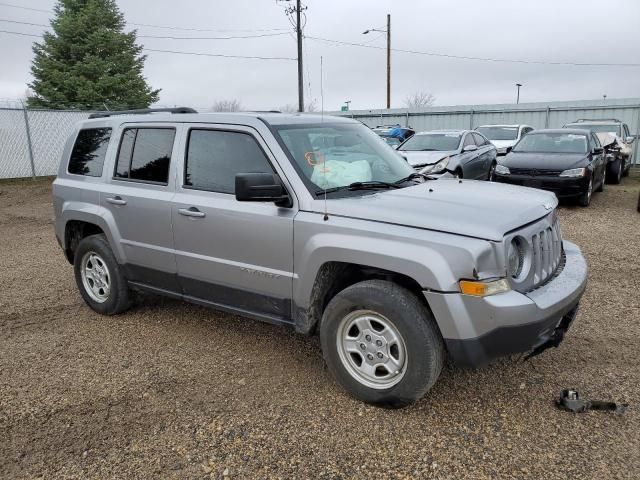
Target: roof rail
x,y
584,120
142,111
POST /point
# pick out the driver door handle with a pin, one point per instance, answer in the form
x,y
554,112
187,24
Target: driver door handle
x,y
117,200
191,212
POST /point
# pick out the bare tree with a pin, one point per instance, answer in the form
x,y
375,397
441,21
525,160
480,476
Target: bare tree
x,y
419,100
227,106
312,106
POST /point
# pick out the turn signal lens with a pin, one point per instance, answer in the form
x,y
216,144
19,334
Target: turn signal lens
x,y
484,289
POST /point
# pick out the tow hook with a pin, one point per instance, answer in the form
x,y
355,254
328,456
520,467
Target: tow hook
x,y
556,337
570,400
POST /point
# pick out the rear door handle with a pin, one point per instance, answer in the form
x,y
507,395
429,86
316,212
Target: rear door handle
x,y
191,212
117,200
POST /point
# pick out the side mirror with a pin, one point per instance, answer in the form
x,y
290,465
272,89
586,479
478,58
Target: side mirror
x,y
261,187
598,150
470,148
629,139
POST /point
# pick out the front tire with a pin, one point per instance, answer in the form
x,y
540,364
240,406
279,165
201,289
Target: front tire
x,y
99,277
381,343
585,199
492,171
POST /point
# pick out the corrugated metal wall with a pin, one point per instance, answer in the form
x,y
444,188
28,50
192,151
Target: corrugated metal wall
x,y
538,115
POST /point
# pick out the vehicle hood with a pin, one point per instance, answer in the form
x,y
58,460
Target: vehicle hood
x,y
545,161
503,143
472,208
416,159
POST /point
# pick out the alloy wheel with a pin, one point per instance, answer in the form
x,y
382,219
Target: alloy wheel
x,y
371,349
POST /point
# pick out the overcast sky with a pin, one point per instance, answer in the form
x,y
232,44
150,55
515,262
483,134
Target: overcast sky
x,y
579,31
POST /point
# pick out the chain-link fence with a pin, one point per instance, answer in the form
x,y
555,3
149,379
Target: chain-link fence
x,y
31,141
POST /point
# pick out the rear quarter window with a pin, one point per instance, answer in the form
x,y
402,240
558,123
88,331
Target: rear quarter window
x,y
89,151
145,154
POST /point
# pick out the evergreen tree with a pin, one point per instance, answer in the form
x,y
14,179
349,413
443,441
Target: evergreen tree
x,y
89,60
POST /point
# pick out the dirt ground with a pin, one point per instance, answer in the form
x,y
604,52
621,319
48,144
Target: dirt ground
x,y
173,390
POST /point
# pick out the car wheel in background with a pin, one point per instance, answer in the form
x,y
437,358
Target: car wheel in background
x,y
626,169
614,172
492,171
381,343
100,279
602,182
585,198
458,173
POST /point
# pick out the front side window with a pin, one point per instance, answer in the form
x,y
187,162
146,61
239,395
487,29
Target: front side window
x,y
441,142
552,143
499,133
480,141
145,154
87,156
215,157
468,140
338,155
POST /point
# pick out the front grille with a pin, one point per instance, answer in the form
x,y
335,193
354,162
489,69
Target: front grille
x,y
547,253
534,172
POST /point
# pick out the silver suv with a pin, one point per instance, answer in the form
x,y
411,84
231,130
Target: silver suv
x,y
315,223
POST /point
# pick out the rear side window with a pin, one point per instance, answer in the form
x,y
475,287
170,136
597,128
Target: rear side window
x,y
214,157
87,156
145,154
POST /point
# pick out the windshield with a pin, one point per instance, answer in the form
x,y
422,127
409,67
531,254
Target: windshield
x,y
393,141
499,133
600,128
442,142
336,155
552,143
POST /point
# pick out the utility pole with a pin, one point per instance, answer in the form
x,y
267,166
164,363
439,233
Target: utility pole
x,y
518,85
388,32
388,61
300,75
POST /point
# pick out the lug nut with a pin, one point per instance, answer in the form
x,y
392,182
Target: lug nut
x,y
368,338
363,346
379,343
369,356
380,355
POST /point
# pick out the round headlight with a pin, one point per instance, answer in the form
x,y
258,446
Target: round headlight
x,y
515,257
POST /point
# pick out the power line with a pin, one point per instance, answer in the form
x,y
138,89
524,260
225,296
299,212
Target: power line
x,y
156,50
169,27
255,57
232,37
484,59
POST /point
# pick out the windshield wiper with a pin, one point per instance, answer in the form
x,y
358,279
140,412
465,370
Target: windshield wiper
x,y
413,176
358,186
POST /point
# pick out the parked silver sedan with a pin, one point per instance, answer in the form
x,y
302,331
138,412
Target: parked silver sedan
x,y
461,153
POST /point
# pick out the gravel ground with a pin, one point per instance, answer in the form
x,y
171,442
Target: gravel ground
x,y
175,390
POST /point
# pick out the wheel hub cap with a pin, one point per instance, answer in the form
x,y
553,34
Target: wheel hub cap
x,y
371,349
95,277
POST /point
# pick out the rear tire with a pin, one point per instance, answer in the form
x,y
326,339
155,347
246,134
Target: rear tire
x,y
99,277
381,343
614,172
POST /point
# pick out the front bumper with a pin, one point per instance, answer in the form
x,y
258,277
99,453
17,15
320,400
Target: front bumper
x,y
561,186
479,329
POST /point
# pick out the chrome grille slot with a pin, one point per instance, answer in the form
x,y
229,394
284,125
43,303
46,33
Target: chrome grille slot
x,y
545,243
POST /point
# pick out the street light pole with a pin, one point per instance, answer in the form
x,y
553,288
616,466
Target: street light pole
x,y
388,32
518,85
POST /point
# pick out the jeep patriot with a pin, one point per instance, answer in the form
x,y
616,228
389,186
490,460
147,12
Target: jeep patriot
x,y
314,222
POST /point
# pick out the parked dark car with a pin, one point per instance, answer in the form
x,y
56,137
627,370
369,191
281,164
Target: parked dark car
x,y
394,135
568,162
461,153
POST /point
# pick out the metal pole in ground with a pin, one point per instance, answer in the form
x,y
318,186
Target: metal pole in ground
x,y
29,145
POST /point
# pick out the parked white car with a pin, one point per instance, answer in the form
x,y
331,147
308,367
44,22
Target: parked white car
x,y
504,137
